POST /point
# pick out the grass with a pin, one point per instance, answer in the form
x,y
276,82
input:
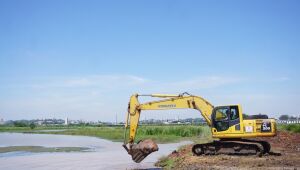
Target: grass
x,y
171,162
160,134
172,133
290,127
41,149
111,133
166,162
27,129
182,131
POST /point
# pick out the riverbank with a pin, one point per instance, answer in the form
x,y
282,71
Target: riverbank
x,y
160,134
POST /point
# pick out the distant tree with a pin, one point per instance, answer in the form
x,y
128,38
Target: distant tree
x,y
245,116
32,125
293,118
20,124
284,117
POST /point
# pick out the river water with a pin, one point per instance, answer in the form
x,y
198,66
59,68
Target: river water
x,y
104,154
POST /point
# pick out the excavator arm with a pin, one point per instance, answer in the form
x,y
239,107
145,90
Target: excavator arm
x,y
181,101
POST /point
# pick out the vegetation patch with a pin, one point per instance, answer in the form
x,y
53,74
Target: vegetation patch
x,y
37,149
4,128
290,127
158,133
166,162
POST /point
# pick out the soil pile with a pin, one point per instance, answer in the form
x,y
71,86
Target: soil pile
x,y
288,144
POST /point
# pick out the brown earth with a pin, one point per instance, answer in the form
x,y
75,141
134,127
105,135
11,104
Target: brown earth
x,y
288,144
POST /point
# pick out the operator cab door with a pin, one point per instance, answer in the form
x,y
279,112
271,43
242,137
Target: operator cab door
x,y
226,118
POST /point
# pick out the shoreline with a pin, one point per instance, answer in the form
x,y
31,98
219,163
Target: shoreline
x,y
159,134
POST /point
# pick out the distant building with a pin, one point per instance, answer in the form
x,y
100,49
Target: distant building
x,y
66,121
39,122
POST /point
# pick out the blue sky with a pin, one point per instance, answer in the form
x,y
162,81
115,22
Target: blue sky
x,y
83,59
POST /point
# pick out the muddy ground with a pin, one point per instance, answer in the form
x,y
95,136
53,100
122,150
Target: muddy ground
x,y
288,144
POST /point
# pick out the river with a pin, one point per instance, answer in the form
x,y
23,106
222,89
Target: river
x,y
103,154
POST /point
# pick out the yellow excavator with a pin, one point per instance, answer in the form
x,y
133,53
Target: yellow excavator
x,y
228,127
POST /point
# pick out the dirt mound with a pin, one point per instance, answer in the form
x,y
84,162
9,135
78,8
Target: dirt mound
x,y
288,144
284,141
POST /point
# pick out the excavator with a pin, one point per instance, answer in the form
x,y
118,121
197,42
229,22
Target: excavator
x,y
231,132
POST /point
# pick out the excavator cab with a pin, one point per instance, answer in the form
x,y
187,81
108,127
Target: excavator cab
x,y
228,122
224,117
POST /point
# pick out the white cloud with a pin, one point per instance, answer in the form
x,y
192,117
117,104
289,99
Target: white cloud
x,y
101,97
205,82
282,79
189,85
98,96
101,81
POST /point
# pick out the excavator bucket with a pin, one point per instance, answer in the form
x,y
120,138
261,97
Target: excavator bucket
x,y
141,150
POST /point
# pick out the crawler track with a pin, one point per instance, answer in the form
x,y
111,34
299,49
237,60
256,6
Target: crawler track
x,y
232,146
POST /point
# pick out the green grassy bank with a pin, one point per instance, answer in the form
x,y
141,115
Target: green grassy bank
x,y
290,127
38,149
161,134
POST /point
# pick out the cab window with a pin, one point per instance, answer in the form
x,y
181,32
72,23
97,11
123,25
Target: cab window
x,y
221,119
221,114
234,114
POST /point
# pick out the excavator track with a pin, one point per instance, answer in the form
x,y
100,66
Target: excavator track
x,y
232,147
